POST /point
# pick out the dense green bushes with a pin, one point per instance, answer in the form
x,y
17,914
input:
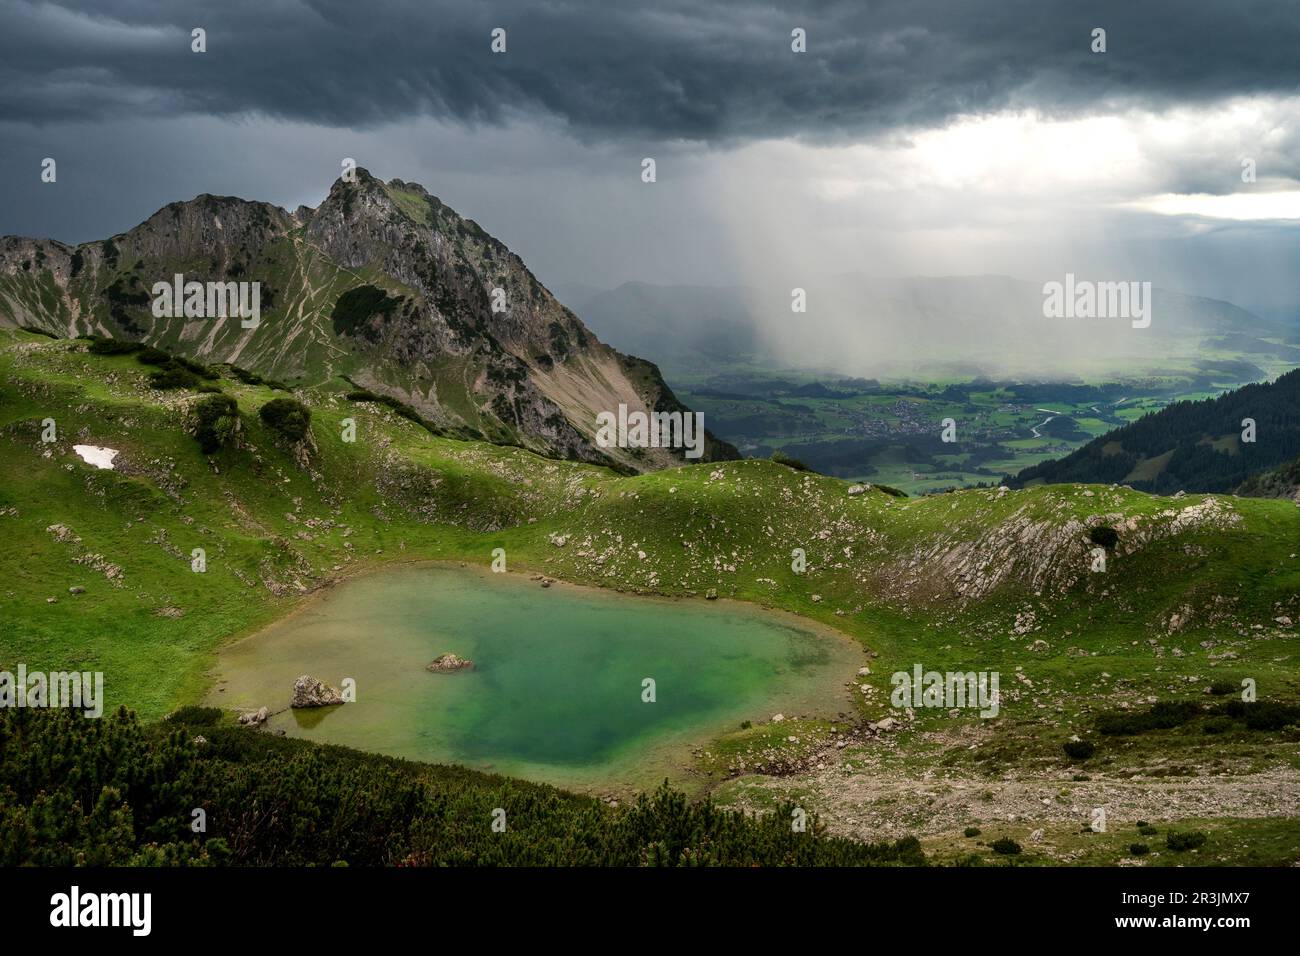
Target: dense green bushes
x,y
1263,715
113,347
288,418
217,422
1161,716
115,792
252,378
173,371
1181,842
173,376
80,792
1078,749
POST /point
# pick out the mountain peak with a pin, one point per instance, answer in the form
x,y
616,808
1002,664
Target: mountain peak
x,y
382,287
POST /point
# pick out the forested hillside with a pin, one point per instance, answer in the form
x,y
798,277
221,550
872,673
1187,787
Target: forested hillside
x,y
91,792
1214,445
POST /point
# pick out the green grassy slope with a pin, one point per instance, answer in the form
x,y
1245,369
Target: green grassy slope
x,y
1198,589
942,580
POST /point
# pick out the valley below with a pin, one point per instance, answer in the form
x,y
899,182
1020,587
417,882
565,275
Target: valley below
x,y
894,432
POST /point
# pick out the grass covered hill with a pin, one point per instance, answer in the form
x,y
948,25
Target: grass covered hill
x,y
968,578
286,490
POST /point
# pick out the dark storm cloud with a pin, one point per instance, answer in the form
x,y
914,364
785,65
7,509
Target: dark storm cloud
x,y
720,71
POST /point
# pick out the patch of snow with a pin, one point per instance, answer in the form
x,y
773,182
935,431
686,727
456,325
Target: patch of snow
x,y
95,455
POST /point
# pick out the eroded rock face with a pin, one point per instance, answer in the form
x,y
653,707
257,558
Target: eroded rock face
x,y
310,692
446,663
1043,552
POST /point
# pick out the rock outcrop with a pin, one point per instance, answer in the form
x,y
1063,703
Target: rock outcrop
x,y
310,692
446,663
254,718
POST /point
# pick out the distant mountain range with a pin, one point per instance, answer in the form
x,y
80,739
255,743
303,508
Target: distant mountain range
x,y
381,287
1203,446
864,325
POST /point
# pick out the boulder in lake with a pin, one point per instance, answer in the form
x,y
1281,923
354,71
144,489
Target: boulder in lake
x,y
254,717
310,692
446,663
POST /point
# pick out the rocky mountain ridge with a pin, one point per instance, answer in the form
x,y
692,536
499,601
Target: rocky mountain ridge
x,y
382,287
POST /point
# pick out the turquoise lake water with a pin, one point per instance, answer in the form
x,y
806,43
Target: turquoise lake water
x,y
557,690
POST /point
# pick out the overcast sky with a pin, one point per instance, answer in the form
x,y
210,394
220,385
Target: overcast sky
x,y
913,137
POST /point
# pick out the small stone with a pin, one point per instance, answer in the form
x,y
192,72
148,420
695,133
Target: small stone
x,y
446,663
